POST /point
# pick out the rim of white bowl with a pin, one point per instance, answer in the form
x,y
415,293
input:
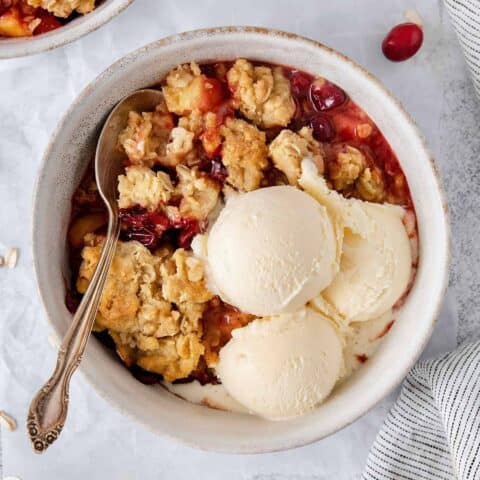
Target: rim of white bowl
x,y
25,46
199,33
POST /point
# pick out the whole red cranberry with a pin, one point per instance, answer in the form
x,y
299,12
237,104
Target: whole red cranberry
x,y
322,128
325,95
402,42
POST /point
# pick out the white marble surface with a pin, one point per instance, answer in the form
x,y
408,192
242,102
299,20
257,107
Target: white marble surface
x,y
97,442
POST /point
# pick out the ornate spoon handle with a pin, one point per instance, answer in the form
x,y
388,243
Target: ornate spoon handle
x,y
48,410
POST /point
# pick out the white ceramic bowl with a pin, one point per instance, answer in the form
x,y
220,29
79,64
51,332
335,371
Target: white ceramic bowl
x,y
23,46
69,153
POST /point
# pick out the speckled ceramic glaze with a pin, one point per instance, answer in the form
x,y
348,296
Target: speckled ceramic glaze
x,y
20,47
71,149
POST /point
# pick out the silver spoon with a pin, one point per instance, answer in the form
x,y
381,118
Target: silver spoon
x,y
48,410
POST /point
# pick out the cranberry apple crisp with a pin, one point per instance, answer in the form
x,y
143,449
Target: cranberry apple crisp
x,y
25,18
224,131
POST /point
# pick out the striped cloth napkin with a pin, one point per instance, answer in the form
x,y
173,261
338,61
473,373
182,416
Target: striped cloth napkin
x,y
433,431
465,15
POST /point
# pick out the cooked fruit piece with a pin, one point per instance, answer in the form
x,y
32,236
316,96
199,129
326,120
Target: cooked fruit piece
x,y
326,95
13,25
47,23
187,89
83,225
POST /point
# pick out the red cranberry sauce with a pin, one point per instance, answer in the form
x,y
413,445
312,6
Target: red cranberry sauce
x,y
148,227
48,23
219,319
335,119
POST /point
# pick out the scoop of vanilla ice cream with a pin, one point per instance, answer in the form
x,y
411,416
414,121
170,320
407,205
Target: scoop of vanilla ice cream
x,y
376,261
271,250
282,366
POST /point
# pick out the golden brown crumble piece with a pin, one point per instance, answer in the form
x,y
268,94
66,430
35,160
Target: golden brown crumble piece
x,y
204,127
180,146
181,88
146,136
211,137
183,279
187,89
155,316
191,315
346,167
132,266
142,186
64,8
370,185
125,347
263,93
288,149
198,191
173,357
244,154
193,122
147,328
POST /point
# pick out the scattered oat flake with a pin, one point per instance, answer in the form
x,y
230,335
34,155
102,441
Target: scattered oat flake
x,y
11,258
411,15
8,421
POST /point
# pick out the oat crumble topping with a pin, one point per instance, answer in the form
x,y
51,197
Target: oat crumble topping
x,y
244,153
347,167
289,148
142,186
146,137
151,305
263,93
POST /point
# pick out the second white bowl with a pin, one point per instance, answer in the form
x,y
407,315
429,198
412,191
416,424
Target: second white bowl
x,y
22,46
